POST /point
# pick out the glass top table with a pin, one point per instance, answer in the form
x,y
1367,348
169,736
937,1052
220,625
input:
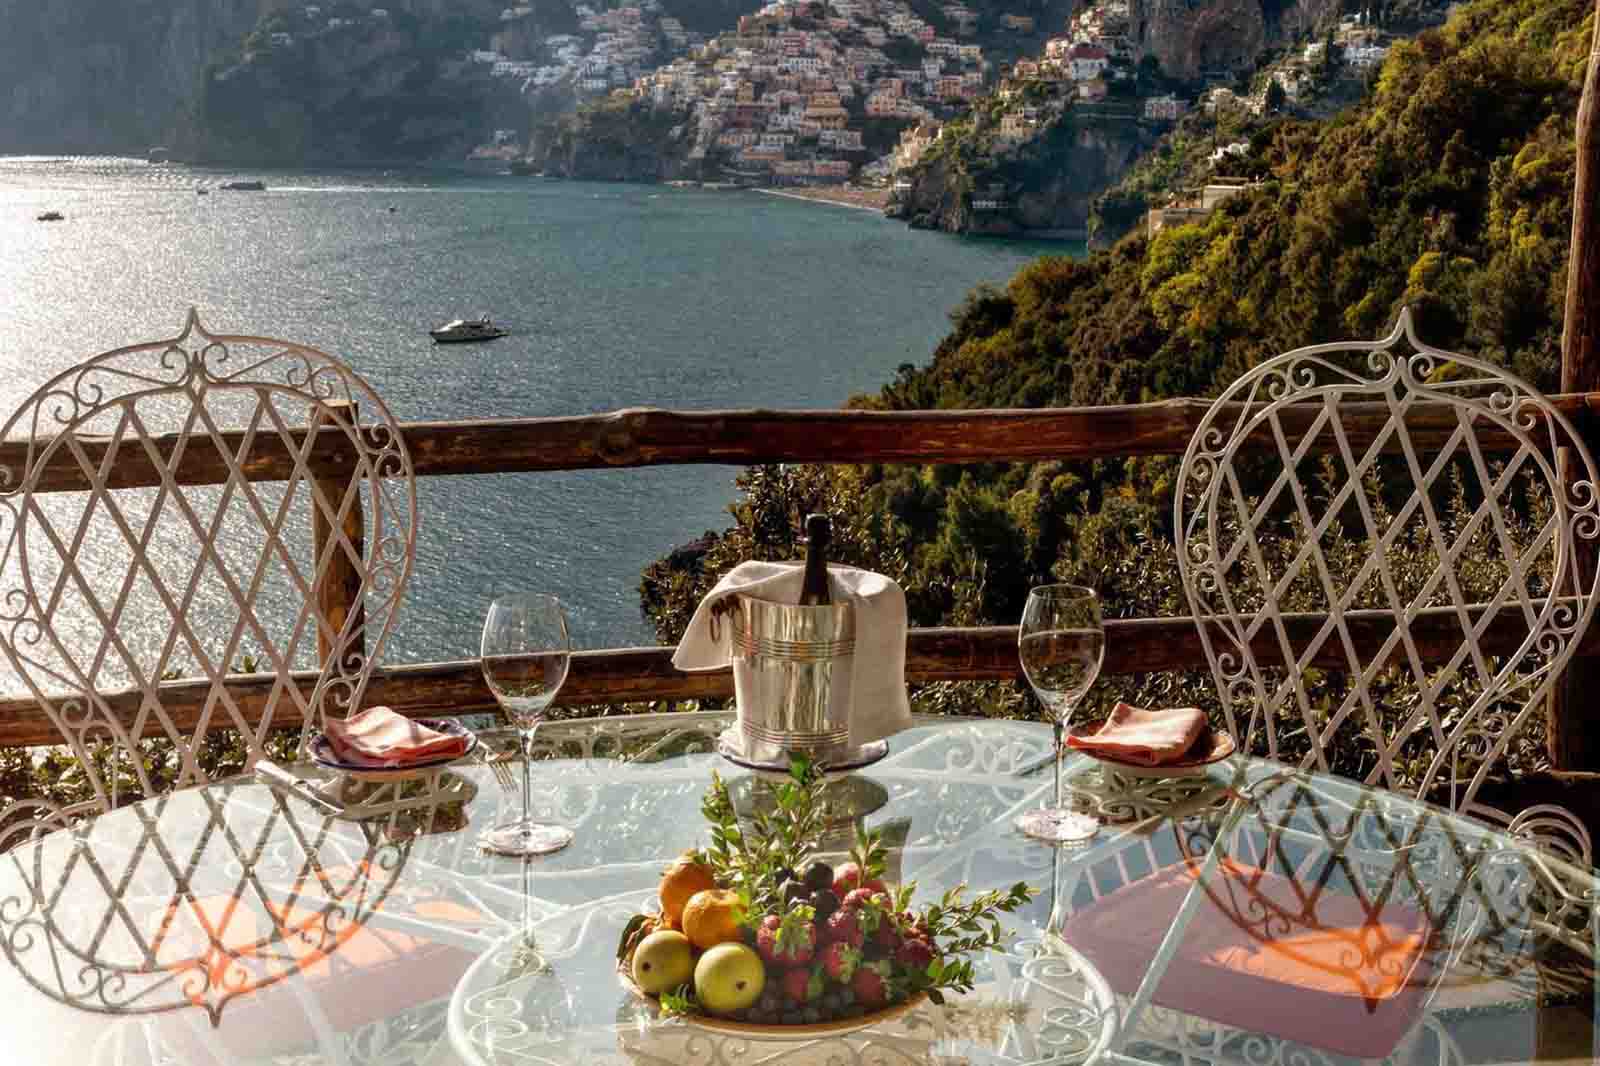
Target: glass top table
x,y
1248,915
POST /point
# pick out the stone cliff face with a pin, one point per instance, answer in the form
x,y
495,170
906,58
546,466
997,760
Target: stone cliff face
x,y
1045,189
106,75
377,92
610,144
1192,38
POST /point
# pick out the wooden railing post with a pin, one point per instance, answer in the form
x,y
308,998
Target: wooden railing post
x,y
1573,739
337,584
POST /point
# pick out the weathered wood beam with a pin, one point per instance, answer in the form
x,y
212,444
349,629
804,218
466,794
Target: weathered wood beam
x,y
622,675
337,585
655,437
1572,739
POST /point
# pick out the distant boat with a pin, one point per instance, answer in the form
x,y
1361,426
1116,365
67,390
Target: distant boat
x,y
244,186
201,190
158,154
461,330
50,216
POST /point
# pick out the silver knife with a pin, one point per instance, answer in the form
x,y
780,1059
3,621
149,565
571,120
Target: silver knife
x,y
277,775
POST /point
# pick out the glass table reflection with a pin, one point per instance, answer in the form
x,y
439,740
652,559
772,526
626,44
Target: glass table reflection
x,y
1247,916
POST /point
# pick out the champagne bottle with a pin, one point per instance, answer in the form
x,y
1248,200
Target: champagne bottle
x,y
814,587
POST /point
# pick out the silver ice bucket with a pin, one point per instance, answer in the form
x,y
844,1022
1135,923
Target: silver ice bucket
x,y
791,677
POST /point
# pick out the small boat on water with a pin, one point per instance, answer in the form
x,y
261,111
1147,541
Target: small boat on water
x,y
244,186
470,329
50,216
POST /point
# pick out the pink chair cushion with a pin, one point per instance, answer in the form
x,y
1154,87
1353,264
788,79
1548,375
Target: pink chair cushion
x,y
355,973
1264,953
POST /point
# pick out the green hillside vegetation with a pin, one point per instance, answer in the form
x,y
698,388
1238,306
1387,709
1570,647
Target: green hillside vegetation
x,y
1448,189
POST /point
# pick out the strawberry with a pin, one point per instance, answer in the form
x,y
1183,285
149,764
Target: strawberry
x,y
797,984
839,961
857,897
913,926
844,926
846,879
787,941
870,984
914,954
888,933
876,886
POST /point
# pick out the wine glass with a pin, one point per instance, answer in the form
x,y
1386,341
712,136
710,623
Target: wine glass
x,y
1061,642
525,653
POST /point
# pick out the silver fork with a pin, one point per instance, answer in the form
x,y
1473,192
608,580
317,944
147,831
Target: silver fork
x,y
500,766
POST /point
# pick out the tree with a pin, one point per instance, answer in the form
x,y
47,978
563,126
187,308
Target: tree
x,y
1276,97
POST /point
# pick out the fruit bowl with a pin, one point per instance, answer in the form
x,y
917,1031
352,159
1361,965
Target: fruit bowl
x,y
803,1031
759,936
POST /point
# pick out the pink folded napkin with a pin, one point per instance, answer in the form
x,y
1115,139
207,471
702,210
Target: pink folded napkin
x,y
1149,738
379,737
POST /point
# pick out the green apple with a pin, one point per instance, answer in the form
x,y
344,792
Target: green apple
x,y
662,961
729,977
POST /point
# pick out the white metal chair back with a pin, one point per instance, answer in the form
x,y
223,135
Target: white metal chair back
x,y
1350,481
123,588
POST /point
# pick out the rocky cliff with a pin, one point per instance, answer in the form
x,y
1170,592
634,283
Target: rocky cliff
x,y
389,89
611,142
1195,38
1045,188
106,75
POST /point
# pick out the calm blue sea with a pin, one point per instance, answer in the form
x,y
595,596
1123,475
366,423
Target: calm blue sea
x,y
617,296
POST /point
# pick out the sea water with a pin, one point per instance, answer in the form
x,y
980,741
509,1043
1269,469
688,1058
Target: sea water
x,y
615,295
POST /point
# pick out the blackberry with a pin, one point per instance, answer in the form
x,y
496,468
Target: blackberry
x,y
824,902
847,996
819,875
855,1010
831,1001
792,1017
811,1016
770,1000
796,892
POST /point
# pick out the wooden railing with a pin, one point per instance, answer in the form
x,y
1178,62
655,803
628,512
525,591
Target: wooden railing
x,y
649,436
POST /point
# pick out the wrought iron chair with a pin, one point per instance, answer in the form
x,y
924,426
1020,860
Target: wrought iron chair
x,y
1302,920
1341,524
119,588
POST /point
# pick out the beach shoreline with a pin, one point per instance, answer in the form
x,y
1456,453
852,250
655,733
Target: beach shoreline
x,y
837,196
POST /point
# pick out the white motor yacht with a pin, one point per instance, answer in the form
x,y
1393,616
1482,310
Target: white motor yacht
x,y
479,329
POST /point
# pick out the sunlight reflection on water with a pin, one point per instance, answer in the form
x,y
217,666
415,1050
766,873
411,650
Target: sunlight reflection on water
x,y
616,296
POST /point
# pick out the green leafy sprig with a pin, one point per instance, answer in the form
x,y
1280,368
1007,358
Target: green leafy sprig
x,y
963,928
747,860
680,1001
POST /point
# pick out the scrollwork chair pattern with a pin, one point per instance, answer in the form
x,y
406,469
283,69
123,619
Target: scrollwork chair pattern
x,y
1351,481
121,588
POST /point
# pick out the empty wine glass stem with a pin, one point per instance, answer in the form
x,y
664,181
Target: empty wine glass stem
x,y
527,776
1059,753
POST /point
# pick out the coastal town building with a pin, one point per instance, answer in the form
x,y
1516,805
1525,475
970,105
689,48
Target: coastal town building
x,y
1088,62
1195,205
784,96
1167,108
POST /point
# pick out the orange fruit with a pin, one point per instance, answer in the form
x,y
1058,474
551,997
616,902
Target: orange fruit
x,y
683,879
711,917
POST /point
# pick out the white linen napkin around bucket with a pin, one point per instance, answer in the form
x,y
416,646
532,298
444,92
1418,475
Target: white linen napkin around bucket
x,y
878,703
